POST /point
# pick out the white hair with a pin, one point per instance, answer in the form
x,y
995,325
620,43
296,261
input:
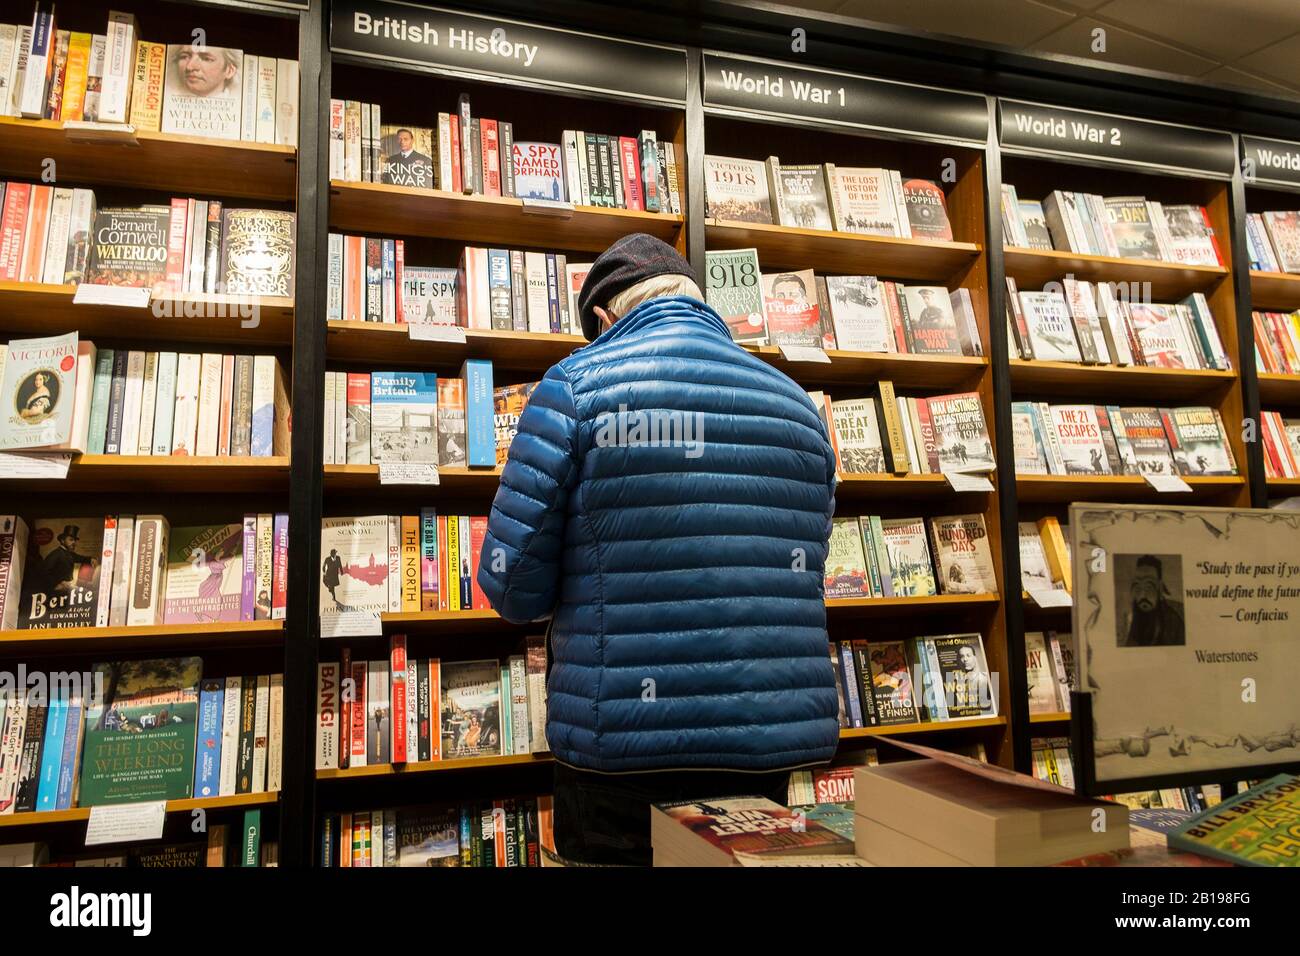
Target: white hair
x,y
653,288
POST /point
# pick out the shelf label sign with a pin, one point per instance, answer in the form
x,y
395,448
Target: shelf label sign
x,y
1270,161
778,89
508,49
126,822
1034,128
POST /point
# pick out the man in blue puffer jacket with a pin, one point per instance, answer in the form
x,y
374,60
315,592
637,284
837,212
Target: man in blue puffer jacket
x,y
667,502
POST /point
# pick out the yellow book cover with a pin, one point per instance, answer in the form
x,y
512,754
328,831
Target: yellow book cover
x,y
453,562
1260,827
1058,553
74,80
410,563
147,88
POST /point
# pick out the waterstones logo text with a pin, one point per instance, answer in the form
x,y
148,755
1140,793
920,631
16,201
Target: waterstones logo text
x,y
654,428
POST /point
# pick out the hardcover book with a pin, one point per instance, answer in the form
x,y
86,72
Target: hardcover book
x,y
859,313
39,388
863,201
1198,443
61,579
203,91
799,194
257,252
962,555
1050,327
406,156
1144,431
428,296
790,306
891,682
130,247
205,574
470,718
961,438
1079,438
736,190
140,736
968,687
1130,223
931,325
403,417
733,287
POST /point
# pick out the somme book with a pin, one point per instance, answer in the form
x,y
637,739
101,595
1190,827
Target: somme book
x,y
354,567
710,832
61,580
140,736
205,574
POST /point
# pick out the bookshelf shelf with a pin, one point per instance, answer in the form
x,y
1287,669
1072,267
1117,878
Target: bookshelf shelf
x,y
1113,382
208,804
1283,487
151,637
450,480
923,727
435,766
375,209
1274,291
146,473
1123,488
889,606
364,342
1034,268
937,372
785,247
866,487
158,161
1053,718
1277,389
40,309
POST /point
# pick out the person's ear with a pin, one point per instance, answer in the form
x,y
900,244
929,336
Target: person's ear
x,y
606,317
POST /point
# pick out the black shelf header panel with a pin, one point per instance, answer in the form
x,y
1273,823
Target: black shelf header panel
x,y
1270,162
771,89
1122,140
501,49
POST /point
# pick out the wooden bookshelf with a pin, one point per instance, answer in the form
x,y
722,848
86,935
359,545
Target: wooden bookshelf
x,y
1062,717
894,606
1115,383
437,766
864,487
160,473
1283,487
934,373
157,637
923,727
172,162
378,209
786,247
40,309
1277,389
1274,291
450,479
1062,489
207,804
1170,281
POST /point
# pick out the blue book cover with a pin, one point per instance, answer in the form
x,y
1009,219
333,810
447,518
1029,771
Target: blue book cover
x,y
852,700
499,301
68,762
99,402
480,426
47,794
403,417
207,758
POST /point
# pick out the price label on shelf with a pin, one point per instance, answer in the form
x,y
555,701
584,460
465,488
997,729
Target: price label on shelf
x,y
958,481
548,207
408,473
84,131
126,822
19,464
1167,483
1051,597
352,624
436,333
123,296
804,353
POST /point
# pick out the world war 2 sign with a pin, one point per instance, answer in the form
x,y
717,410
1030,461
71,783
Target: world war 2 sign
x,y
1189,628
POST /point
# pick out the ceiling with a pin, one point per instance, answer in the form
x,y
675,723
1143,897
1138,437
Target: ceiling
x,y
1249,44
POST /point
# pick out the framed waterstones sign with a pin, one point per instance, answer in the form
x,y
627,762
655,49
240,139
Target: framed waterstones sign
x,y
765,87
1188,623
1272,162
491,47
1054,130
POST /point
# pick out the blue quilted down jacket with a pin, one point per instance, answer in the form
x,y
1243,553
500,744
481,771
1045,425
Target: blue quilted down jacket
x,y
668,500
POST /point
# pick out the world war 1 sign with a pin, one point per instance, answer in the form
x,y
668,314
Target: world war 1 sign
x,y
1188,623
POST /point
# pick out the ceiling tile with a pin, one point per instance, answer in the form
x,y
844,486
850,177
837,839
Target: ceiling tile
x,y
1228,76
1280,62
1014,23
1123,48
1222,31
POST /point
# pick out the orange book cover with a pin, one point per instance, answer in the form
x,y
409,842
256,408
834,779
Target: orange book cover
x,y
38,225
435,708
410,563
353,279
147,87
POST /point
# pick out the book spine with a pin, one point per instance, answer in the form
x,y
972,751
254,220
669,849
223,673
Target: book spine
x,y
147,92
210,267
230,735
148,571
241,407
388,282
585,152
261,728
357,711
286,102
247,730
264,566
56,725
248,569
507,137
119,59
397,690
429,591
207,759
853,703
265,129
552,295
148,405
40,61
280,567
248,98
479,423
99,402
209,411
55,252
395,563
337,163
411,582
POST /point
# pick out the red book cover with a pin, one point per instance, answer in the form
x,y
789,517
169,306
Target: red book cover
x,y
358,720
280,568
754,825
927,433
477,534
491,157
896,316
345,709
1209,231
13,223
632,194
454,125
400,267
1270,449
353,279
834,785
227,397
443,590
177,229
397,698
1171,433
435,708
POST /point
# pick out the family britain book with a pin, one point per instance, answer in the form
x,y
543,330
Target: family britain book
x,y
403,417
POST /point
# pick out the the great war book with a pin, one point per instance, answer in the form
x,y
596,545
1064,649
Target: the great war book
x,y
799,196
857,433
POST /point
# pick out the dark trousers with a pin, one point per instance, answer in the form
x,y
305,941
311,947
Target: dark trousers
x,y
604,819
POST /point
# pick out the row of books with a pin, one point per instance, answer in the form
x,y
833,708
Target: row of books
x,y
494,833
1277,342
884,433
400,563
503,289
922,679
1110,440
871,201
136,570
870,556
1128,227
71,396
130,731
476,155
1088,323
408,710
115,77
1044,556
58,235
225,846
386,417
854,313
1281,445
1273,241
1049,668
